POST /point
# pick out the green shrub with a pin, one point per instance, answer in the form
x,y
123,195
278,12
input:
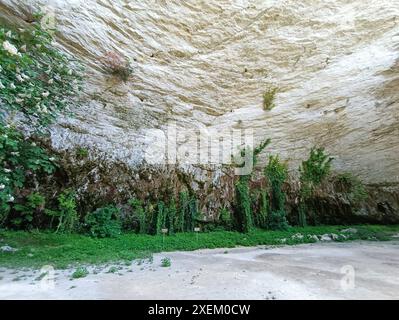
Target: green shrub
x,y
161,217
264,208
172,214
34,204
82,153
139,212
276,173
36,78
312,172
104,222
37,83
68,216
181,213
187,213
268,98
165,262
277,220
242,206
20,159
243,215
225,219
80,272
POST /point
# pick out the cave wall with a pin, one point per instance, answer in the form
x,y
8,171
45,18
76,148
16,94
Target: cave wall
x,y
206,64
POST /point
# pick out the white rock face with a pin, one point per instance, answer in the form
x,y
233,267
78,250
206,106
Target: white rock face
x,y
206,64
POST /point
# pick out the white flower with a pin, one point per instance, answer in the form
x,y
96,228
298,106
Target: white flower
x,y
19,78
52,159
2,186
18,70
45,94
11,49
38,45
7,170
11,198
12,85
6,179
23,48
51,81
15,153
2,86
9,34
25,76
33,144
18,100
70,72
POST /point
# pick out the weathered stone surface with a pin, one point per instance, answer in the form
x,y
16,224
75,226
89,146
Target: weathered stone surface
x,y
206,64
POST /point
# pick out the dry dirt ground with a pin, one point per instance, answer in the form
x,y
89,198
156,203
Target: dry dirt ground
x,y
351,270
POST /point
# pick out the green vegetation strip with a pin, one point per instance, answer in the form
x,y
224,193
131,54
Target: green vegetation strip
x,y
35,249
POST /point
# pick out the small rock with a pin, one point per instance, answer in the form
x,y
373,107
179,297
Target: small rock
x,y
349,230
313,237
395,235
334,236
297,236
7,249
325,237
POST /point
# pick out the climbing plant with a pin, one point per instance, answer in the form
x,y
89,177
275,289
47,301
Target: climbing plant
x,y
312,172
242,203
276,173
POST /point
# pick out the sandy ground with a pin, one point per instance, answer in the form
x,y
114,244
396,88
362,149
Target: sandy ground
x,y
351,270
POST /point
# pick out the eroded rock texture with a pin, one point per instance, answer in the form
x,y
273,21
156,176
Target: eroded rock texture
x,y
206,64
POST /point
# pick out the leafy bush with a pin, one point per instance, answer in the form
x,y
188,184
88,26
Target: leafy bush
x,y
38,82
172,213
243,216
268,98
117,65
277,220
312,172
67,214
242,206
80,272
264,209
36,78
139,212
35,203
104,222
165,262
161,218
225,219
187,213
276,173
20,159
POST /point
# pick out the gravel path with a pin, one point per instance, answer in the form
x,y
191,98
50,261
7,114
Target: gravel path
x,y
351,270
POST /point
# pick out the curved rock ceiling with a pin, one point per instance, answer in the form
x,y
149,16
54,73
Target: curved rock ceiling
x,y
206,64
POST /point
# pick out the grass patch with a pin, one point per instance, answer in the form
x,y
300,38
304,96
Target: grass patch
x,y
80,272
165,262
36,249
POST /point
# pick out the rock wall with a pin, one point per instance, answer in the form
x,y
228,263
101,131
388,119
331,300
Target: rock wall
x,y
206,64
